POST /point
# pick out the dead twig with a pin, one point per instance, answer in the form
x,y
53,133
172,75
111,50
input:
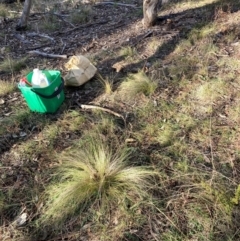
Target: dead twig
x,y
64,46
38,47
148,34
64,20
48,55
118,4
82,26
40,35
102,109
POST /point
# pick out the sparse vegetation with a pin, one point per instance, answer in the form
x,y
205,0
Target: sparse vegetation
x,y
160,161
11,65
50,23
3,10
82,15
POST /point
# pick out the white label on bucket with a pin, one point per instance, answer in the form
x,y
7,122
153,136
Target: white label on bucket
x,y
56,88
58,96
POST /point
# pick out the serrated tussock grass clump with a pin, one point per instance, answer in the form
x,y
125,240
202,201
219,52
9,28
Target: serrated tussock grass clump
x,y
94,176
136,84
107,84
6,87
127,52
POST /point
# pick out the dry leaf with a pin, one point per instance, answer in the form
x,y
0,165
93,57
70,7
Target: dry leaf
x,y
119,65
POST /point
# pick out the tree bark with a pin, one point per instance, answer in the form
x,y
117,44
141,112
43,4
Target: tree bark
x,y
23,21
150,9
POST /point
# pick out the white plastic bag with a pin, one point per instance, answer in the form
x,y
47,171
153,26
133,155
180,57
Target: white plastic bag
x,y
80,70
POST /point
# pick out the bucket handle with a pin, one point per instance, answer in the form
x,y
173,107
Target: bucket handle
x,y
54,94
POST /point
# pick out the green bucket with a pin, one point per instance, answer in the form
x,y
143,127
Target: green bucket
x,y
44,100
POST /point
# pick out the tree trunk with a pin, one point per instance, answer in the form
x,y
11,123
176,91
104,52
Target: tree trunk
x,y
150,9
23,21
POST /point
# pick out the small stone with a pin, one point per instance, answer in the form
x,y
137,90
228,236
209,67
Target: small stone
x,y
21,220
22,134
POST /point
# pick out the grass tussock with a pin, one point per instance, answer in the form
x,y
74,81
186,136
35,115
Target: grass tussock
x,y
82,15
71,121
50,23
12,123
1,201
97,177
181,133
137,84
10,65
127,52
6,87
3,10
107,85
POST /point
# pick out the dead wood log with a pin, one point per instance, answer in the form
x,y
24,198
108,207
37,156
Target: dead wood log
x,y
48,55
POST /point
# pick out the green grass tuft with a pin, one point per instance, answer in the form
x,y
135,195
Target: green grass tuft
x,y
95,174
82,15
6,87
10,65
3,10
137,84
127,52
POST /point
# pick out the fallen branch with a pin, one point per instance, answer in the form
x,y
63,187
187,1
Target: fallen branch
x,y
64,46
119,4
102,109
82,26
48,55
38,47
40,35
149,33
61,17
